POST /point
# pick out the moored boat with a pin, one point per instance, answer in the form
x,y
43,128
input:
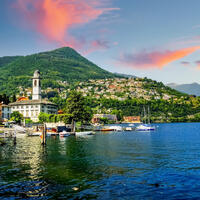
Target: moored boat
x,y
111,128
64,134
36,133
84,133
145,127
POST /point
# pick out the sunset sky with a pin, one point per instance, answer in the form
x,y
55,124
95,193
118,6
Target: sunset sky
x,y
159,39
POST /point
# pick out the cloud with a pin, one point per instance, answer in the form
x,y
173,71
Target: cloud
x,y
185,63
198,64
155,59
95,45
54,18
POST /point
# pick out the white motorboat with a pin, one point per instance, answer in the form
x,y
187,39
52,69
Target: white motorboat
x,y
111,128
84,133
19,129
117,128
37,133
64,134
129,128
145,127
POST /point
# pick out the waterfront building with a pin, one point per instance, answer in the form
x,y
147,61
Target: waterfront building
x,y
132,119
31,109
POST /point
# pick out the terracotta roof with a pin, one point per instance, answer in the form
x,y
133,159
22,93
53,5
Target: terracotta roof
x,y
23,99
31,102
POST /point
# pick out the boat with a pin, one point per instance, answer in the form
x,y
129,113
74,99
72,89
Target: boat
x,y
84,133
19,131
36,133
112,128
64,134
49,133
129,128
145,127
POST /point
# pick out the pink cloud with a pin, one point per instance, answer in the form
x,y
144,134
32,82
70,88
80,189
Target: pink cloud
x,y
54,18
155,59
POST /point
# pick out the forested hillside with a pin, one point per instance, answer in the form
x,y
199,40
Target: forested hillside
x,y
63,64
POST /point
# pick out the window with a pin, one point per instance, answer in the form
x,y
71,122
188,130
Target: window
x,y
35,83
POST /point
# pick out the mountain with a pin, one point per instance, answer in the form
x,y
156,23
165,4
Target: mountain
x,y
7,59
63,64
192,89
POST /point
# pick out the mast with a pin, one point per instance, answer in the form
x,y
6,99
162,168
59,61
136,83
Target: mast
x,y
144,115
148,115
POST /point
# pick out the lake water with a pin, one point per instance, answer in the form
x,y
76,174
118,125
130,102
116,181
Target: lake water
x,y
164,164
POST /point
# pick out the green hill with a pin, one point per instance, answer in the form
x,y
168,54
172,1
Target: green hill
x,y
63,64
7,59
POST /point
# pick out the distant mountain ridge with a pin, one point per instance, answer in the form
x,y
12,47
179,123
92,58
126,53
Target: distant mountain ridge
x,y
192,89
63,64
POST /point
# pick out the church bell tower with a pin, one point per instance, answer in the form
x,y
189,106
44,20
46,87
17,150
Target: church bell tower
x,y
36,95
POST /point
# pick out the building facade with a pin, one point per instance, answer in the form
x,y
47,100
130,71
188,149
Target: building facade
x,y
31,109
132,119
6,112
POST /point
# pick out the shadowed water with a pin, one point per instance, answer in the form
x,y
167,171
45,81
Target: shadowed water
x,y
164,164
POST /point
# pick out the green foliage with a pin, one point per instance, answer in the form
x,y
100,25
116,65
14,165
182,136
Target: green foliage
x,y
76,106
63,64
44,117
7,59
60,102
16,116
28,121
161,110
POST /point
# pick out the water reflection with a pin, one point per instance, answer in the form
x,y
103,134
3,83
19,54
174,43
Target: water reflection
x,y
104,166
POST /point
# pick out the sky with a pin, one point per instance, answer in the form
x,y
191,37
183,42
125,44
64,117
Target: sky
x,y
158,39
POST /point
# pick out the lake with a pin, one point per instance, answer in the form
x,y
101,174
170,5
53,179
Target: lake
x,y
164,164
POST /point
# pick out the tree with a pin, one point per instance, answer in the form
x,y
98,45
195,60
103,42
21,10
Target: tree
x,y
13,98
17,117
77,108
43,117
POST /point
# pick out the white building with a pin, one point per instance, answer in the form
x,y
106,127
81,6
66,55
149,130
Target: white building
x,y
32,108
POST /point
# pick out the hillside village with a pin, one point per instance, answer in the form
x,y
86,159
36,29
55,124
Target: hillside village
x,y
115,88
64,70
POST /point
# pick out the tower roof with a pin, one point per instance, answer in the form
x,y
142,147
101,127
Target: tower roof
x,y
36,74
